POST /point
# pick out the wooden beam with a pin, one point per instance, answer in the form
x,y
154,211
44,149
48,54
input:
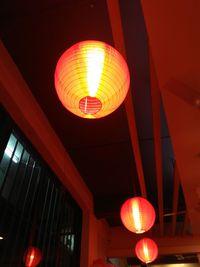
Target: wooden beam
x,y
117,31
175,199
156,104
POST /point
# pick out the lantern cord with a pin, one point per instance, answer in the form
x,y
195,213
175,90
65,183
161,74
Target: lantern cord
x,y
134,190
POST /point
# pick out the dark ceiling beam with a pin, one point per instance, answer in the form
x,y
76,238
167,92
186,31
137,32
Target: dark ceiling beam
x,y
118,37
156,104
175,199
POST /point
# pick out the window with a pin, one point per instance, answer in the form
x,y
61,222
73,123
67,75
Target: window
x,y
35,208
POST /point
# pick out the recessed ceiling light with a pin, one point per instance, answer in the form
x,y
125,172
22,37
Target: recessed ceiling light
x,y
1,237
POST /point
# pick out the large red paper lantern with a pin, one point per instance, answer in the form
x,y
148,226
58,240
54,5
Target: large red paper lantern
x,y
32,257
91,79
137,215
146,250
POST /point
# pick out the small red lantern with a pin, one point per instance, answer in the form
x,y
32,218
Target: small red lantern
x,y
32,257
137,215
146,250
91,79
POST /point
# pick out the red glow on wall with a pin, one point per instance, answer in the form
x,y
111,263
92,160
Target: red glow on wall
x,y
146,250
137,215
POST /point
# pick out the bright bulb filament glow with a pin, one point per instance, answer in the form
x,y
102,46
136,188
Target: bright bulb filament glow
x,y
95,63
136,217
146,253
30,261
86,105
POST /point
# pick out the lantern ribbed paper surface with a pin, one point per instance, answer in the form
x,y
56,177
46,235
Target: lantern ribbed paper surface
x,y
146,250
137,215
32,257
91,79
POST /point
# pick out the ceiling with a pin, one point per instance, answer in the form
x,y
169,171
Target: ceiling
x,y
128,153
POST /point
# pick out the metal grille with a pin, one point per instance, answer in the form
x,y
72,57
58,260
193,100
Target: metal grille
x,y
35,211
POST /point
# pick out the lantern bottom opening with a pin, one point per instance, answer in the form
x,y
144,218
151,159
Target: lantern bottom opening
x,y
90,105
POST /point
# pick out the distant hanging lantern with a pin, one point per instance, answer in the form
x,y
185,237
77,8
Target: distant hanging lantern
x,y
32,257
146,250
91,79
137,215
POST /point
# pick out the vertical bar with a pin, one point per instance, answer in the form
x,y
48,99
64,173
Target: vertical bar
x,y
58,232
22,217
30,219
156,101
56,240
175,199
185,223
46,224
43,213
51,226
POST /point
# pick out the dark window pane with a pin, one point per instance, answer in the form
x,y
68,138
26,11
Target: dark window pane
x,y
35,210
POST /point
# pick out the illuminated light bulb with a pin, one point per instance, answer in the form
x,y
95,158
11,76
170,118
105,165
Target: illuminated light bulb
x,y
136,216
95,63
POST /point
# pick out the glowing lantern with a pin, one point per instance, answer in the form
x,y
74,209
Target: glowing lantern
x,y
137,215
32,257
91,79
146,250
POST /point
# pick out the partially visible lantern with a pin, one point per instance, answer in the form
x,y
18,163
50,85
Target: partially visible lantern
x,y
91,79
146,250
137,215
32,257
